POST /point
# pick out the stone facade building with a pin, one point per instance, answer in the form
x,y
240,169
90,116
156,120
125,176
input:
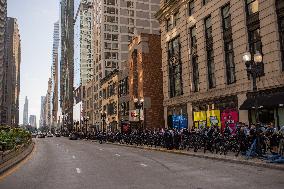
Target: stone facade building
x,y
204,75
145,80
123,95
109,86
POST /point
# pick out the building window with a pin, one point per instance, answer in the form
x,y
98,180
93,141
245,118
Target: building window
x,y
190,8
228,44
208,28
280,15
130,4
211,69
252,6
230,65
255,40
195,73
169,25
226,17
194,64
210,53
193,41
175,68
175,19
253,26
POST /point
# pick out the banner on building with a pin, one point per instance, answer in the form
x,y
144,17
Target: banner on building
x,y
213,118
230,118
199,119
179,122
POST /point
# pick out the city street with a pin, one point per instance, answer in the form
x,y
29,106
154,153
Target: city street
x,y
63,164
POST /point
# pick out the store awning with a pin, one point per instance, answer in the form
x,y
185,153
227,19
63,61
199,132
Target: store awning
x,y
265,101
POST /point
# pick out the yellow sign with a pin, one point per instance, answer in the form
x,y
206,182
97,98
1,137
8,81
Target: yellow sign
x,y
214,118
199,116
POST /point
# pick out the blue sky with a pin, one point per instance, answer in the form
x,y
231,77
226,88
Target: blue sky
x,y
35,19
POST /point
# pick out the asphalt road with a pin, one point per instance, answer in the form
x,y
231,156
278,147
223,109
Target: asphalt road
x,y
58,163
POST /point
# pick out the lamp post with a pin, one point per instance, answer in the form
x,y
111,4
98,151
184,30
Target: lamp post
x,y
139,103
254,71
103,117
86,119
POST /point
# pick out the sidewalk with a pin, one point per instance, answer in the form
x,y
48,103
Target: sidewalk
x,y
208,155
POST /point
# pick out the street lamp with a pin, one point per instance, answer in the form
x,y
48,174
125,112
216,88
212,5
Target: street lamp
x,y
139,103
86,119
254,71
103,117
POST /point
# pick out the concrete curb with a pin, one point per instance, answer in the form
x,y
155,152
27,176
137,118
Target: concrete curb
x,y
17,159
218,158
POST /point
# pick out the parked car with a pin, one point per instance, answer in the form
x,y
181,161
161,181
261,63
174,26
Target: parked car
x,y
34,135
40,135
57,135
73,136
49,135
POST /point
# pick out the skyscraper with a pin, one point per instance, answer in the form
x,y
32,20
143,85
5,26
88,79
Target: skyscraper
x,y
42,112
48,104
3,20
67,60
115,23
33,121
26,112
12,83
54,72
83,42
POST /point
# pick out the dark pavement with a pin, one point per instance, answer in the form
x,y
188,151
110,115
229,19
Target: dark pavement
x,y
59,163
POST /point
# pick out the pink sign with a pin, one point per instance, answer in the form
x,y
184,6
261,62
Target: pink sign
x,y
230,118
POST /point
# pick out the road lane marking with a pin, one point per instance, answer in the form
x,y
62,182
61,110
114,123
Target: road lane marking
x,y
73,157
67,150
78,170
101,149
117,155
143,165
19,165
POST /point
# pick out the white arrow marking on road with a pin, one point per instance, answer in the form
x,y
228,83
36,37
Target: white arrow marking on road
x,y
117,155
73,157
78,170
143,165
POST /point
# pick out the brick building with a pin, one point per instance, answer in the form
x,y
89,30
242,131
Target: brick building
x,y
145,79
204,75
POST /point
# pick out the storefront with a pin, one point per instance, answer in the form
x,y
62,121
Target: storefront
x,y
270,105
216,112
178,117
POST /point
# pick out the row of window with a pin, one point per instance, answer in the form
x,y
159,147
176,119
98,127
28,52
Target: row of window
x,y
123,87
111,108
109,91
123,108
111,55
254,40
129,4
